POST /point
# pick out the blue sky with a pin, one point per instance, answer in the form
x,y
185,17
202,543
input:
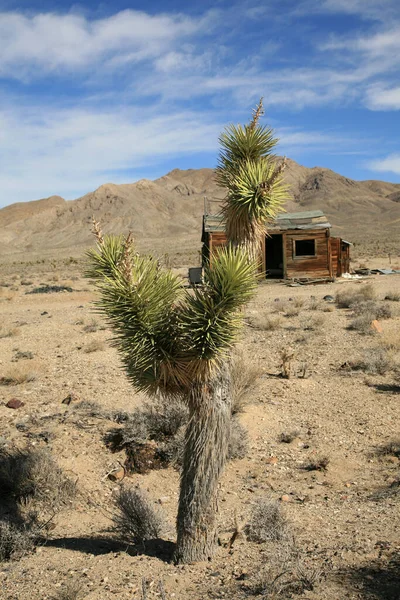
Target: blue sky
x,y
94,92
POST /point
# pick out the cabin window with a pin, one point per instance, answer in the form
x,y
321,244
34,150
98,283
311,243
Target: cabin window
x,y
304,248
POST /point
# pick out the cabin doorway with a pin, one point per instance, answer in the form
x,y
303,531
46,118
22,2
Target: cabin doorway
x,y
274,256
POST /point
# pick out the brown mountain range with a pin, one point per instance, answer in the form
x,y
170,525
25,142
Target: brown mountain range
x,y
165,215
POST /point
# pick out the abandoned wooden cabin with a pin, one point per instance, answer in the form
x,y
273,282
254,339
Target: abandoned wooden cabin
x,y
297,246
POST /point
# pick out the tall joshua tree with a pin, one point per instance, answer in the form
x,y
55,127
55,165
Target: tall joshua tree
x,y
176,342
249,171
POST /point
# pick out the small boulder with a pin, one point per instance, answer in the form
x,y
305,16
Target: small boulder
x,y
15,403
376,326
117,474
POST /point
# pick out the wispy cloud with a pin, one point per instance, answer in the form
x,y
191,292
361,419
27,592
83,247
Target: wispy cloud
x,y
33,46
67,151
381,98
390,164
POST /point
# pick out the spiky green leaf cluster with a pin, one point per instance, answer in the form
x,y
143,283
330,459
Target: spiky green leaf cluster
x,y
248,169
254,198
239,144
169,337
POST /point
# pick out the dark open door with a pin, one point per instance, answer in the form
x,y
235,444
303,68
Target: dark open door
x,y
274,256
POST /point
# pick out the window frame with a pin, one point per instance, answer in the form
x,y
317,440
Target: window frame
x,y
303,256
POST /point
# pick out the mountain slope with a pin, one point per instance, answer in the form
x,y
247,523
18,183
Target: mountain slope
x,y
165,214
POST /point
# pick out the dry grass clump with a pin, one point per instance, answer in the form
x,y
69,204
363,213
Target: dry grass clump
x,y
289,437
372,308
22,355
18,374
292,310
346,298
267,322
7,332
390,449
162,422
7,295
136,519
318,463
94,346
314,323
162,425
92,326
287,355
245,378
238,441
285,574
15,541
314,303
298,302
71,590
279,306
390,340
267,522
34,475
376,361
393,296
363,324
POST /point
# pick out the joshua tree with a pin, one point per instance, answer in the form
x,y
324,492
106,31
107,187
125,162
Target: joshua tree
x,y
254,182
176,342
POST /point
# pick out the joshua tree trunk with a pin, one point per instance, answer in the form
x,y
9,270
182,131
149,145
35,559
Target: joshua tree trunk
x,y
206,446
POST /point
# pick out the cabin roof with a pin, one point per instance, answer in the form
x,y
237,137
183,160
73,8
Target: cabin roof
x,y
311,219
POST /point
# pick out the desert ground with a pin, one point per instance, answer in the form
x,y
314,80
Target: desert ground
x,y
323,446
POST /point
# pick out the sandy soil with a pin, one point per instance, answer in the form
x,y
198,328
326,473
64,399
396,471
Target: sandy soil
x,y
345,519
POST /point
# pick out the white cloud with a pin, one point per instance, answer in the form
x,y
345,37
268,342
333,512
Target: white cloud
x,y
378,10
390,164
49,42
70,152
381,98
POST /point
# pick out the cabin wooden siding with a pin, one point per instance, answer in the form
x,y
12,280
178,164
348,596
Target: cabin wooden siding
x,y
302,266
331,255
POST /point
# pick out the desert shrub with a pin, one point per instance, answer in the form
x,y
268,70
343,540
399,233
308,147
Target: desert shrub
x,y
94,346
287,355
317,463
390,449
279,305
22,355
50,289
15,541
288,437
393,296
314,303
267,523
136,519
298,302
245,378
390,340
33,474
346,298
292,310
238,441
285,574
71,590
165,418
363,324
267,322
372,308
376,361
92,326
17,375
313,324
6,332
